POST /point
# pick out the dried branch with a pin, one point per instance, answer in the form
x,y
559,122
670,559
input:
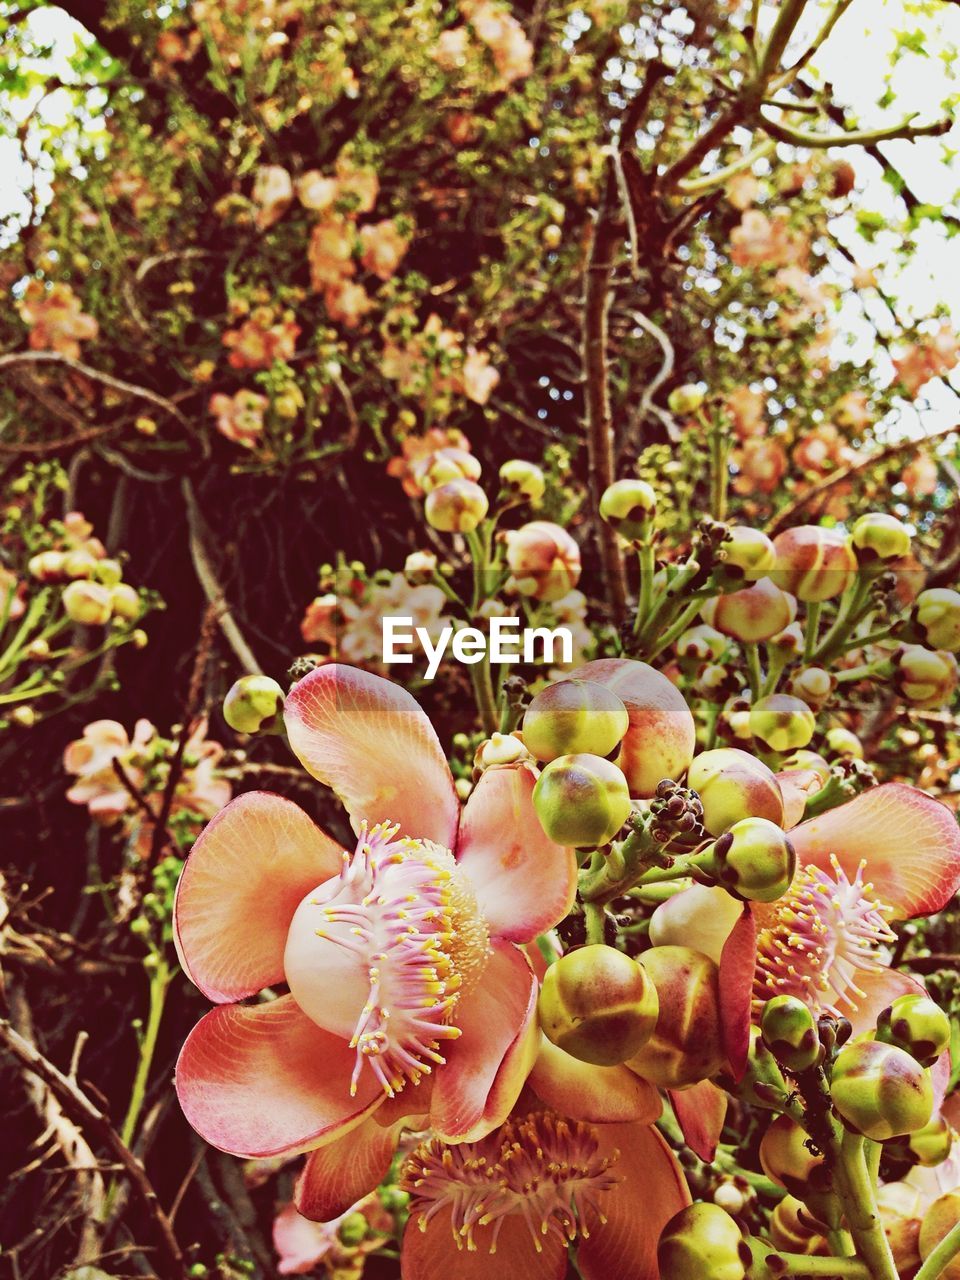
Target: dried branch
x,y
79,1107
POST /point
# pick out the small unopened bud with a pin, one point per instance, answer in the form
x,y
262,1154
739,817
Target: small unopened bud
x,y
813,563
139,638
940,1219
936,616
687,1045
251,703
786,1157
38,650
880,1090
598,1005
930,1145
748,554
877,536
789,1031
732,785
353,1229
499,749
544,560
46,566
109,572
701,1242
572,717
730,1197
702,643
456,507
686,399
812,685
419,567
917,1025
630,507
755,613
24,717
581,800
525,479
754,860
843,742
79,564
87,603
125,601
781,722
442,466
926,677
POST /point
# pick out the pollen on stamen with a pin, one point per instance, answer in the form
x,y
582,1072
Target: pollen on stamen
x,y
826,932
542,1168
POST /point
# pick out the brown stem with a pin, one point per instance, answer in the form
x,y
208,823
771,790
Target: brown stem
x,y
607,238
79,1107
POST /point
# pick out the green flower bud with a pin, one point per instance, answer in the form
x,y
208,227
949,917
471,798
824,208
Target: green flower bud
x,y
942,1216
841,742
877,536
746,555
792,1229
444,465
419,567
755,613
732,785
917,1025
789,1031
630,507
598,1005
787,1160
574,716
880,1091
46,566
804,760
79,564
525,479
87,603
812,685
353,1229
754,860
936,615
686,1046
109,572
251,702
24,717
702,643
781,722
789,640
686,399
581,800
762,1083
125,601
930,1145
456,507
701,1242
926,677
813,563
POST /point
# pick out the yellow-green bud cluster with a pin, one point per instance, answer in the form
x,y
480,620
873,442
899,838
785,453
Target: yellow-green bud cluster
x,y
917,1025
630,507
581,800
754,860
572,717
880,1090
789,1031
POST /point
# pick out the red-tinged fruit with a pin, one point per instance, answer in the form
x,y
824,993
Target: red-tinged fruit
x,y
732,785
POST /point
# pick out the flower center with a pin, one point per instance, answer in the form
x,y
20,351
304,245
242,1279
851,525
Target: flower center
x,y
820,936
396,935
546,1169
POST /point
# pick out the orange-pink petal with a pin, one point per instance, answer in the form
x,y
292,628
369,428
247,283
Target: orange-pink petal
x,y
909,842
370,741
700,1111
597,1095
486,1067
525,884
342,1172
239,889
432,1254
738,963
263,1080
637,1209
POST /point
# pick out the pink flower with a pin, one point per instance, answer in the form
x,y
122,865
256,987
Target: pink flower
x,y
930,358
240,416
920,476
272,194
91,758
382,247
893,853
260,341
347,303
330,253
358,181
303,1245
316,192
504,37
762,241
201,789
746,408
56,319
410,1001
450,49
478,376
534,1186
